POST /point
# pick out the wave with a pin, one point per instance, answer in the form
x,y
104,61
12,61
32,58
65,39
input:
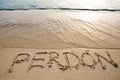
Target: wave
x,y
63,9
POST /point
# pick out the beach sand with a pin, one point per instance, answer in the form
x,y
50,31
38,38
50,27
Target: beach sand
x,y
28,32
59,29
21,72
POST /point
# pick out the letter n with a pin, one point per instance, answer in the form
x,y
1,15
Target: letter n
x,y
109,61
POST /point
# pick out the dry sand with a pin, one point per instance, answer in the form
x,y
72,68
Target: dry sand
x,y
20,71
33,31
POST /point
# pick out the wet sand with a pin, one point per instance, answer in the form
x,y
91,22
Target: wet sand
x,y
60,29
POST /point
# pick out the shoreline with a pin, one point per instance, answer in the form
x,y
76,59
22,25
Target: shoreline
x,y
112,10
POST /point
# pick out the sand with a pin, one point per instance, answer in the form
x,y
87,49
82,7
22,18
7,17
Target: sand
x,y
24,34
21,72
59,29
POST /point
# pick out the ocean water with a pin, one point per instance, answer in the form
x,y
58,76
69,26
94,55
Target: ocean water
x,y
66,4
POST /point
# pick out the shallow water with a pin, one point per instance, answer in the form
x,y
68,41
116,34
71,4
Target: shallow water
x,y
79,4
60,29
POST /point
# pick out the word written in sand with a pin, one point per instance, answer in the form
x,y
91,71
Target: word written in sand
x,y
54,58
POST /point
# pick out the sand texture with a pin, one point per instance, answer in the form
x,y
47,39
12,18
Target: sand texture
x,y
13,68
59,45
59,29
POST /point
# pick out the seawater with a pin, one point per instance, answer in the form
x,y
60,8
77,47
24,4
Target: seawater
x,y
51,4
